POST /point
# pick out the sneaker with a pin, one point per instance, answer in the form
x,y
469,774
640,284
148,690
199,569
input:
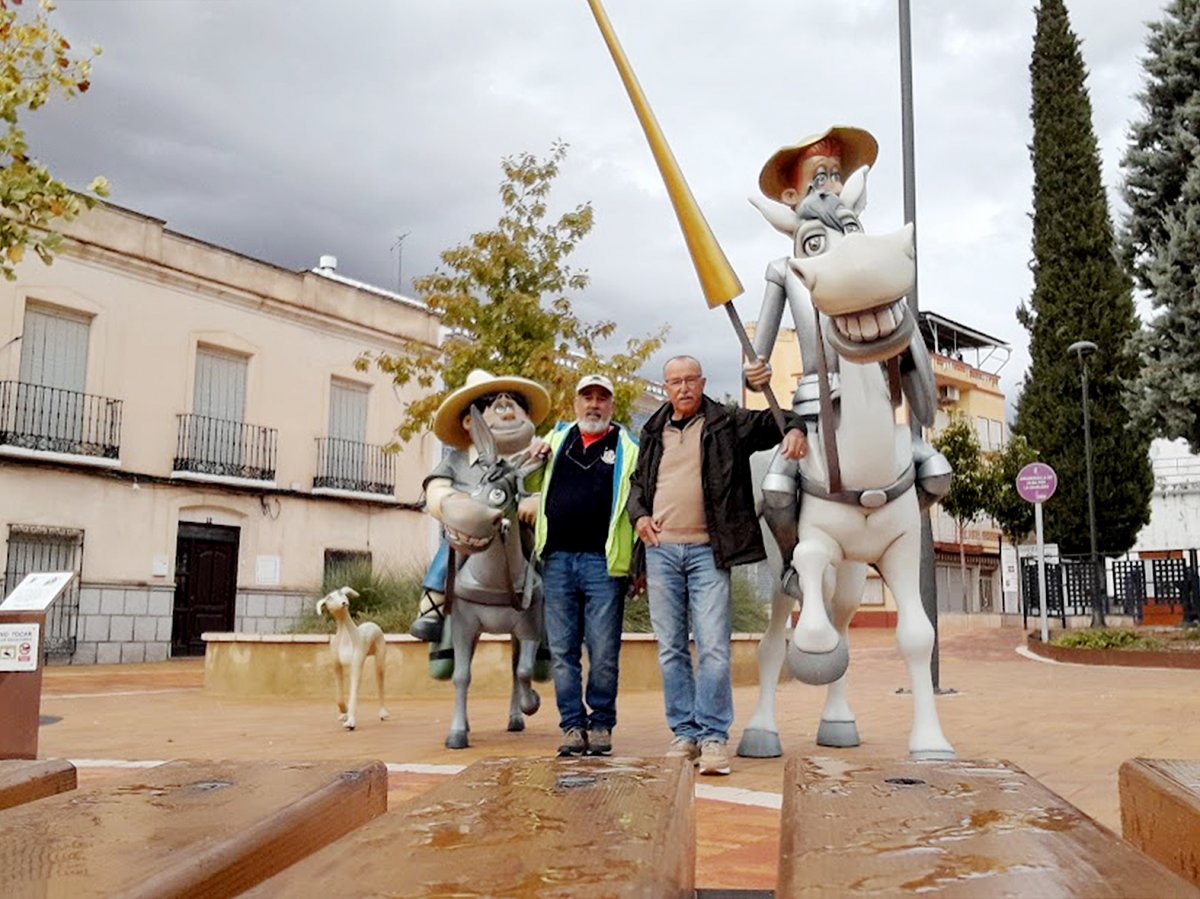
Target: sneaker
x,y
714,758
574,742
683,748
599,741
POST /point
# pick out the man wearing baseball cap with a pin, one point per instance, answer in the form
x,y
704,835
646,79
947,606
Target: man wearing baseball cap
x,y
585,541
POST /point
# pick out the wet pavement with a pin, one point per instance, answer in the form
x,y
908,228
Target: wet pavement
x,y
1069,726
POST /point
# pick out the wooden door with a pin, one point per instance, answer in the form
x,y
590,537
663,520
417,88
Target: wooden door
x,y
205,585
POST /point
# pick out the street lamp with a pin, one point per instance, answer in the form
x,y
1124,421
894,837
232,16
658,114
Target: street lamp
x,y
1083,349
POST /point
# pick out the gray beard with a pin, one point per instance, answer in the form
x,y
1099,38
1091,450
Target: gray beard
x,y
591,428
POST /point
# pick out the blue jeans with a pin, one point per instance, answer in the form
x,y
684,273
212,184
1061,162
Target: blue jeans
x,y
583,606
687,590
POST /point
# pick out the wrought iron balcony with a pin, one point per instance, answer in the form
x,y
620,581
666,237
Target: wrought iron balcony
x,y
350,465
231,449
48,419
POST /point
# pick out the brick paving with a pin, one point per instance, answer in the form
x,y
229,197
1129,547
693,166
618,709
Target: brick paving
x,y
1070,726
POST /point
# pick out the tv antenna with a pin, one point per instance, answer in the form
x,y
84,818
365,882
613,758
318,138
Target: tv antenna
x,y
398,246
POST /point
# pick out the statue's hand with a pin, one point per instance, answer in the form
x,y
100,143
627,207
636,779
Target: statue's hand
x,y
757,374
527,510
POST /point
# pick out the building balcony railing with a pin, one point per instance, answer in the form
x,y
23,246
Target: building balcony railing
x,y
223,448
48,419
353,466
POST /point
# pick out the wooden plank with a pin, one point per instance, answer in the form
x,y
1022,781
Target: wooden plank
x,y
25,781
1160,811
855,826
184,828
521,827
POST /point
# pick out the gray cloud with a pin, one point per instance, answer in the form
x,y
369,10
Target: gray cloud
x,y
285,130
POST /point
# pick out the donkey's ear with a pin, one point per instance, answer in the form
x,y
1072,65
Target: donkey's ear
x,y
854,191
481,436
781,218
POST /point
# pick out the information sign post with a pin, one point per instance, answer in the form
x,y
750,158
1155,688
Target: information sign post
x,y
1036,483
22,634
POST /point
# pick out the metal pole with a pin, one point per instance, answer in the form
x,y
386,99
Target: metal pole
x,y
1041,553
1098,579
908,153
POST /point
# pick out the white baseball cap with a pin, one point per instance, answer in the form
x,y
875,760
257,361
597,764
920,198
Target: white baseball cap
x,y
594,381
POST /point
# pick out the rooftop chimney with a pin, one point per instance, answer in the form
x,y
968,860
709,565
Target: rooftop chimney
x,y
327,264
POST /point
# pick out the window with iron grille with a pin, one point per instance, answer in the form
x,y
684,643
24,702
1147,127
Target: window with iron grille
x,y
35,548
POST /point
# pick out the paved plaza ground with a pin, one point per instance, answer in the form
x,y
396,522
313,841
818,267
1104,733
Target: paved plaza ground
x,y
1070,726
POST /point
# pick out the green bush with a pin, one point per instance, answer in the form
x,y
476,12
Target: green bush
x,y
1107,639
389,598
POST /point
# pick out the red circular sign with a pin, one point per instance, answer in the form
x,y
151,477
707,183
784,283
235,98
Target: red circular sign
x,y
1036,482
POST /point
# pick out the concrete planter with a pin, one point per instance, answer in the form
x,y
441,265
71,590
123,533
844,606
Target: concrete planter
x,y
299,666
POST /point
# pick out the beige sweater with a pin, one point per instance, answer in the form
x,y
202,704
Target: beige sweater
x,y
679,495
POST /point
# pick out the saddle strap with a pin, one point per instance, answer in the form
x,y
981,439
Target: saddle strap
x,y
828,437
867,499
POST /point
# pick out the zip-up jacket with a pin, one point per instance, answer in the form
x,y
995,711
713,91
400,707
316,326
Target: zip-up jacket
x,y
729,438
618,545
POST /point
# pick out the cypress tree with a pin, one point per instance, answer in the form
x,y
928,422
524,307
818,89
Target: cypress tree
x,y
1080,293
1161,238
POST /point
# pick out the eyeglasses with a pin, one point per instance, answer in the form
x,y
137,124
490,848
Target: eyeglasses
x,y
484,402
690,381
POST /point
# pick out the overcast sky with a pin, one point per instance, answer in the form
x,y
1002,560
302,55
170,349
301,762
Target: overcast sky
x,y
288,130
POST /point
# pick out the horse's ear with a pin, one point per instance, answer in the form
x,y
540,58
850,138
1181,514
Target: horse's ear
x,y
854,191
781,218
481,436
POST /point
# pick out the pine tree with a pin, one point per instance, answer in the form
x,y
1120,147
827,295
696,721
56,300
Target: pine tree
x,y
1080,293
1162,232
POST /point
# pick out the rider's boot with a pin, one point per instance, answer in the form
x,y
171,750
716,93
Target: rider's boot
x,y
780,511
428,625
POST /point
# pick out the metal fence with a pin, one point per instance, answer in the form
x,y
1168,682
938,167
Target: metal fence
x,y
1124,586
229,449
350,465
36,548
61,421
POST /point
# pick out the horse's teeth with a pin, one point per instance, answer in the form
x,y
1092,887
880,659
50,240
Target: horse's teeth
x,y
854,331
887,322
869,325
840,323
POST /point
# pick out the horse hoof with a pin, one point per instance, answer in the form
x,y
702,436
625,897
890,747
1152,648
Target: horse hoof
x,y
759,743
531,702
818,668
516,724
840,734
456,739
933,755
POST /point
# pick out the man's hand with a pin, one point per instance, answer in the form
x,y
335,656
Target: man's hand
x,y
527,510
794,445
538,449
757,374
647,529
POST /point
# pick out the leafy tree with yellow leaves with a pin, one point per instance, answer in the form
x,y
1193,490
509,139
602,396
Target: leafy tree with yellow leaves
x,y
502,299
35,64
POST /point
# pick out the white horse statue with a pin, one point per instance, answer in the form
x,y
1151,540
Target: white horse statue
x,y
860,502
496,589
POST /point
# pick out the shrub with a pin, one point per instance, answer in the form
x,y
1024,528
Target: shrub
x,y
749,615
389,598
1107,639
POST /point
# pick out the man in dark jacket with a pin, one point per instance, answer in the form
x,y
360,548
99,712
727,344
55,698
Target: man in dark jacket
x,y
691,502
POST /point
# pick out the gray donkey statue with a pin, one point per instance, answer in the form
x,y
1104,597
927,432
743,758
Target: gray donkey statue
x,y
492,585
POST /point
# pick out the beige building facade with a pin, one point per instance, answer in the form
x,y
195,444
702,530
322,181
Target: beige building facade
x,y
966,363
186,429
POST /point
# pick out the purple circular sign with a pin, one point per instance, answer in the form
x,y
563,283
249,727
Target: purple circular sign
x,y
1036,482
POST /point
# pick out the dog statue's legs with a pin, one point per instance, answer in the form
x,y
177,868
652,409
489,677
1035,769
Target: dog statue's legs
x,y
339,677
380,666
